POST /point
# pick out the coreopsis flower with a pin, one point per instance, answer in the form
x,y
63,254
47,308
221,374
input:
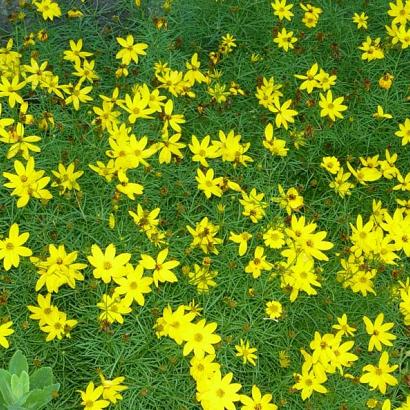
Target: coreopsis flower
x,y
108,265
58,269
400,11
342,327
204,236
227,44
58,326
44,309
10,90
202,277
241,239
203,367
330,164
276,146
386,81
247,353
218,390
202,151
311,79
169,147
67,178
172,120
258,263
274,238
381,115
208,184
200,338
193,74
113,308
130,50
311,379
290,200
162,269
76,53
282,9
378,332
274,309
48,9
378,376
404,132
112,388
284,114
91,397
5,331
360,20
257,401
331,108
11,248
285,39
253,204
78,95
20,144
130,189
371,49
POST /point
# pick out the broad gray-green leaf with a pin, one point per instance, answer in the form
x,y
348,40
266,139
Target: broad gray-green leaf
x,y
5,387
18,363
41,378
20,385
38,398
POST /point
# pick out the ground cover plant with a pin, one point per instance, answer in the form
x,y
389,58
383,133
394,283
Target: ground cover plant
x,y
205,204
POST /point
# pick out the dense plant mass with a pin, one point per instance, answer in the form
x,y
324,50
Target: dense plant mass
x,y
205,204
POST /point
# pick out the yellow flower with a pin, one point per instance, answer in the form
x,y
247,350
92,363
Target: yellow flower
x,y
162,271
274,309
242,239
330,164
12,247
108,265
343,327
246,352
113,308
285,39
202,150
10,89
67,178
284,114
379,377
311,379
378,332
380,114
130,51
258,401
91,397
282,10
112,388
360,20
275,145
386,81
48,8
77,95
208,184
133,285
200,338
331,108
5,330
258,263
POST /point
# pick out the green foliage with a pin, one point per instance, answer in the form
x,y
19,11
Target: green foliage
x,y
19,391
